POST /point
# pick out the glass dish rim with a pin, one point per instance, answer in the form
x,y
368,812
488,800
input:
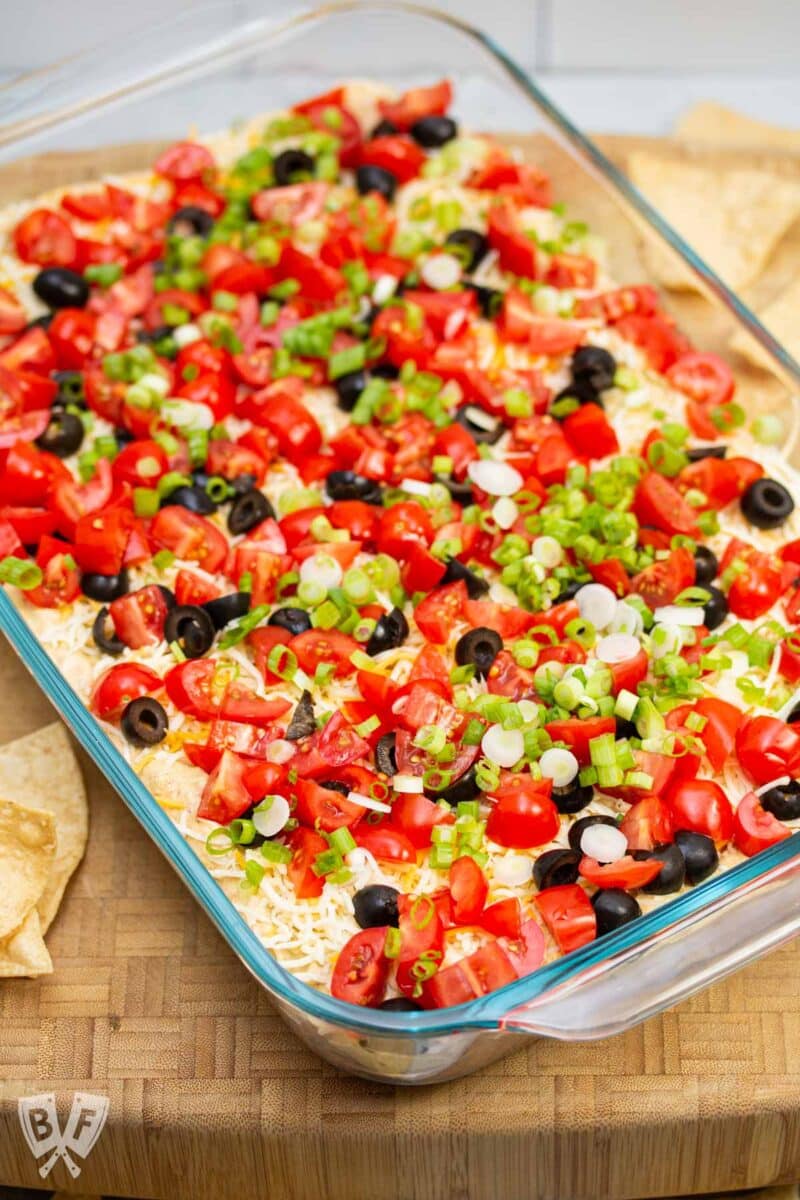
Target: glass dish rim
x,y
485,1012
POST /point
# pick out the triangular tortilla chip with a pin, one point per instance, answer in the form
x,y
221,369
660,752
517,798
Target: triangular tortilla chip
x,y
27,851
715,124
42,772
782,319
24,953
734,219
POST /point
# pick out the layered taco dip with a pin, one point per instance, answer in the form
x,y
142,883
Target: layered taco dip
x,y
436,586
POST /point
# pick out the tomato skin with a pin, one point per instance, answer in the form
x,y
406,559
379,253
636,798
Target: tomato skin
x,y
468,890
70,500
663,581
191,589
60,583
324,645
190,537
359,518
701,806
625,873
768,748
225,795
516,251
525,949
395,153
421,933
755,829
101,539
507,678
385,843
139,616
402,527
658,502
508,621
323,808
184,161
415,816
704,378
190,688
590,433
72,335
753,592
43,237
417,103
576,734
306,845
240,703
438,612
120,684
362,969
647,824
523,815
568,914
719,732
334,746
295,429
503,918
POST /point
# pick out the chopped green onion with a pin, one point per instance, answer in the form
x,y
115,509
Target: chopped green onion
x,y
146,502
20,572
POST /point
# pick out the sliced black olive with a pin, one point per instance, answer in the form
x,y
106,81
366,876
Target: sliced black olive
x,y
296,620
473,245
485,429
42,322
490,300
390,632
336,785
715,610
124,437
766,504
228,608
569,590
191,627
384,128
705,566
624,729
190,221
593,367
289,164
70,389
576,830
195,499
59,287
104,588
376,904
154,335
783,800
346,485
400,1004
671,876
460,490
461,789
794,715
698,453
581,393
699,854
349,387
104,641
477,586
249,510
144,722
555,868
614,908
63,434
244,483
478,648
385,370
435,131
572,798
302,723
376,179
168,594
385,757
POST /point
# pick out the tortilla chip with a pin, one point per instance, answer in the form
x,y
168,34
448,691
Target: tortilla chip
x,y
42,772
27,851
782,319
23,953
712,123
733,218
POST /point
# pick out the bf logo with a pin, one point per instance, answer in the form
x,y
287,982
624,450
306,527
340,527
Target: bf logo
x,y
39,1121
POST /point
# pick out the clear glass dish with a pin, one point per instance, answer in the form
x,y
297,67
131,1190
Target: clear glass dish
x,y
197,71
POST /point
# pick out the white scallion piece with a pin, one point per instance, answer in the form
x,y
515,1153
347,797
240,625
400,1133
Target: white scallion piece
x,y
281,750
604,843
559,765
441,271
627,619
503,747
368,802
513,870
679,614
495,478
322,569
409,784
505,512
617,648
271,815
479,416
184,335
529,711
385,288
597,603
416,487
547,551
186,414
664,640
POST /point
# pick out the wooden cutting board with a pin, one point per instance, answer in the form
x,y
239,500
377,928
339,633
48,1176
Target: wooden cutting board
x,y
210,1092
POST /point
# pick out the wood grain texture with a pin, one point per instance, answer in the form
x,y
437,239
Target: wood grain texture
x,y
210,1093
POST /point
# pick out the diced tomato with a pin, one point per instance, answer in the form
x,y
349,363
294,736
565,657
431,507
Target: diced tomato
x,y
225,795
184,160
361,972
120,684
516,251
385,843
417,103
568,914
421,942
647,824
577,734
395,153
306,846
139,616
101,539
657,336
523,815
755,829
415,815
768,748
323,808
60,583
190,537
191,688
701,806
658,502
438,612
71,501
45,238
590,433
13,316
626,873
663,581
468,890
503,918
526,949
704,378
335,745
192,589
317,646
571,271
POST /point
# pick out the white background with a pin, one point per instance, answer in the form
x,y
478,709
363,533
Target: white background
x,y
625,65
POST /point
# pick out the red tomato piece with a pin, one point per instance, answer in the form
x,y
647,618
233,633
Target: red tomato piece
x,y
362,969
701,806
184,160
306,845
438,612
139,616
190,537
385,843
45,238
658,502
568,914
626,873
417,103
415,816
526,950
576,733
323,808
120,684
663,581
334,746
468,890
317,646
101,539
768,748
13,316
60,583
522,815
503,918
590,433
421,942
705,378
647,824
191,688
395,153
192,589
225,795
755,829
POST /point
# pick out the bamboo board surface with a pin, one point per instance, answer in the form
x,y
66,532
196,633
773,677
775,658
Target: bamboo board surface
x,y
211,1093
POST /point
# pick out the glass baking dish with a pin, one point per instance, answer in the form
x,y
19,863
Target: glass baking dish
x,y
198,71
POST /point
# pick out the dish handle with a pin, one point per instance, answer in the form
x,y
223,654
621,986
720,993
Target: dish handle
x,y
693,953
